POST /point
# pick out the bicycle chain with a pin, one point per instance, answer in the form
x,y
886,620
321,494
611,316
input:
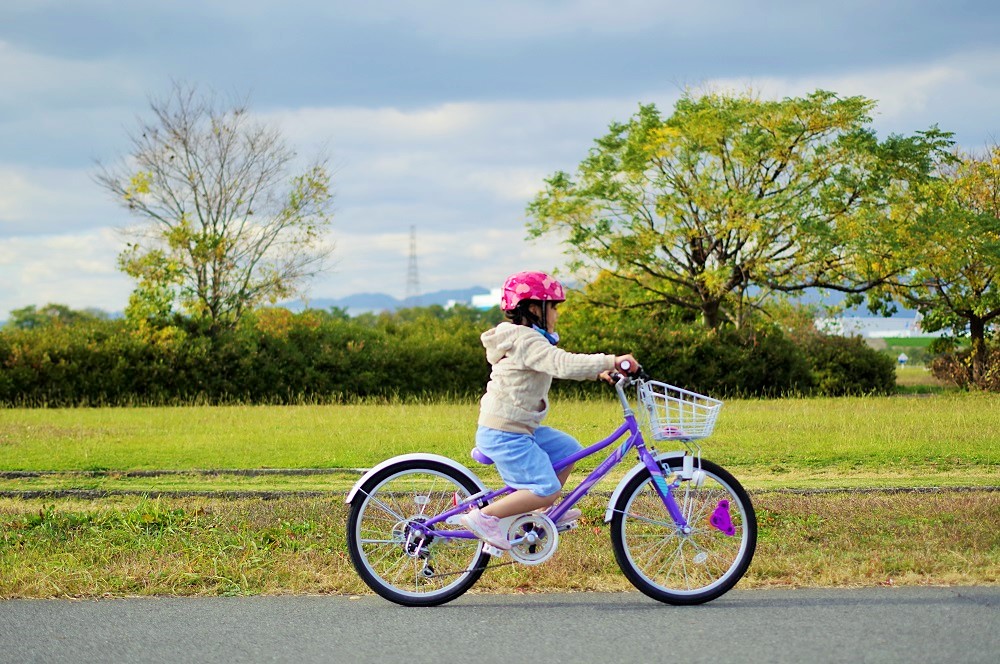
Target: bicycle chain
x,y
474,569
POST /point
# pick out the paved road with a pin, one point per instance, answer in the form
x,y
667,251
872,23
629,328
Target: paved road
x,y
869,625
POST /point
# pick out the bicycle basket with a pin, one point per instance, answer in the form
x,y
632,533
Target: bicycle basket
x,y
672,413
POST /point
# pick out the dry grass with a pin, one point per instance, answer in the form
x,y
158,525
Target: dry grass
x,y
207,546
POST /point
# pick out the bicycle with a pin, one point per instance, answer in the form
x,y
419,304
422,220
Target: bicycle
x,y
683,529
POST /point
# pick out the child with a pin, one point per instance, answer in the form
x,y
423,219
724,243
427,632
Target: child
x,y
525,359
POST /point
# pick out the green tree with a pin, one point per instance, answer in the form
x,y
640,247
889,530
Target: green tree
x,y
31,317
733,198
953,275
223,223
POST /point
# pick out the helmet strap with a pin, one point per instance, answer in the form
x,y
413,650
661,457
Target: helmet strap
x,y
553,337
543,326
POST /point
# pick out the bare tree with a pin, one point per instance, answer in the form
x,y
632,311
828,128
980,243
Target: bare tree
x,y
224,225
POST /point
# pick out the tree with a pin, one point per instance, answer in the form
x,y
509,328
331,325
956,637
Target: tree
x,y
953,263
733,199
31,317
224,225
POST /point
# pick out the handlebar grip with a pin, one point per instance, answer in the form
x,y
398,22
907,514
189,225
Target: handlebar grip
x,y
633,369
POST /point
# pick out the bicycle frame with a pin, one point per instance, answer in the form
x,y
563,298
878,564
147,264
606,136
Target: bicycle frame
x,y
635,440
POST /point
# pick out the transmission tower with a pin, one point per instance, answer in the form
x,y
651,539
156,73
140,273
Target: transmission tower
x,y
412,280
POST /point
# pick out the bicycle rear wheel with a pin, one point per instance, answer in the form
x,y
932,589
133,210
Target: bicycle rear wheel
x,y
685,568
393,563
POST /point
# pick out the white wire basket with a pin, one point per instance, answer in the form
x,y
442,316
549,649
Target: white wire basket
x,y
672,413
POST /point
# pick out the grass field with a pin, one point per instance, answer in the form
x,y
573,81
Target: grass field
x,y
124,546
939,440
917,379
782,450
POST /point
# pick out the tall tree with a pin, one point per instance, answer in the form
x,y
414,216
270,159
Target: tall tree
x,y
734,198
224,224
952,274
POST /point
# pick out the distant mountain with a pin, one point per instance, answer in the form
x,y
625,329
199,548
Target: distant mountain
x,y
377,302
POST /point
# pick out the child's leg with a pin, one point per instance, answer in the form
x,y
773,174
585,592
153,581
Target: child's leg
x,y
519,502
556,445
522,464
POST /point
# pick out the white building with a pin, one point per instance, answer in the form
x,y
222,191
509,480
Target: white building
x,y
874,328
487,301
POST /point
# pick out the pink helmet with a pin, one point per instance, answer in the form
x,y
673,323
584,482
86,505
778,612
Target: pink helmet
x,y
530,286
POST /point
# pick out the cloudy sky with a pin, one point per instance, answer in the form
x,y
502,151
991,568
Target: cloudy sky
x,y
440,114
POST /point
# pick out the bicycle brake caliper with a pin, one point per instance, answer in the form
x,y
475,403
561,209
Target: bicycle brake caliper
x,y
721,520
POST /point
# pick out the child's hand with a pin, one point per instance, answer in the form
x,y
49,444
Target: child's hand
x,y
607,377
633,366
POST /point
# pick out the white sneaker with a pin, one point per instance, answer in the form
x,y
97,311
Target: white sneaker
x,y
486,528
572,514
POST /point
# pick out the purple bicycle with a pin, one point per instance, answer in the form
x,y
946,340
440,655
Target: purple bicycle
x,y
682,528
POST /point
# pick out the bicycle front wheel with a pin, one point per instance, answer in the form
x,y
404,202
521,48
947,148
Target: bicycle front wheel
x,y
400,567
679,567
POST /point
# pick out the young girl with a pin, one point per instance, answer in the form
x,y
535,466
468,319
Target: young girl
x,y
525,359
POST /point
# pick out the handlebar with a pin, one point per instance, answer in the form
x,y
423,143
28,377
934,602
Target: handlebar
x,y
621,381
629,376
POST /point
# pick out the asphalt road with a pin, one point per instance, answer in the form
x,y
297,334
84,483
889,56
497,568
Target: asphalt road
x,y
869,625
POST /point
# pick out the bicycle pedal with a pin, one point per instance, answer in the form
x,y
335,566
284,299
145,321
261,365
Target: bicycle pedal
x,y
492,550
567,525
455,520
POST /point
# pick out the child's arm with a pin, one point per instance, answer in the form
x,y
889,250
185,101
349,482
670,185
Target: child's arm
x,y
538,354
633,366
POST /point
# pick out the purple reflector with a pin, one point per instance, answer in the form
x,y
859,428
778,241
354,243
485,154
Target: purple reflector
x,y
720,518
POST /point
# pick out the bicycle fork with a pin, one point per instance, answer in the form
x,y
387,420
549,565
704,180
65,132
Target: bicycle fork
x,y
665,486
665,490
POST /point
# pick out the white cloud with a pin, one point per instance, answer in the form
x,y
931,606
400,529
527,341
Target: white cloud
x,y
516,185
76,269
450,125
44,201
474,257
910,97
464,165
29,81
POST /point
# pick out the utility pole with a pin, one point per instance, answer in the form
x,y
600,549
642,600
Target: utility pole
x,y
412,280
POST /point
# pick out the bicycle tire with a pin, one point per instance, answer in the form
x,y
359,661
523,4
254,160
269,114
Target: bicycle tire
x,y
674,567
377,530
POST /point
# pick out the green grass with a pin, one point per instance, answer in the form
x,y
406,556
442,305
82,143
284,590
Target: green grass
x,y
342,436
917,378
942,439
909,342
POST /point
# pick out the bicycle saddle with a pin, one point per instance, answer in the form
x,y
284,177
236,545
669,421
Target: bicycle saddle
x,y
480,457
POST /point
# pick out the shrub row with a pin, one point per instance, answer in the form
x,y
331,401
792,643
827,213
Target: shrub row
x,y
276,356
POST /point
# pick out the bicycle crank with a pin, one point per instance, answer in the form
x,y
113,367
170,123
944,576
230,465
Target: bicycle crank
x,y
533,537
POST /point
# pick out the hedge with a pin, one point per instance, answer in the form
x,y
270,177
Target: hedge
x,y
276,356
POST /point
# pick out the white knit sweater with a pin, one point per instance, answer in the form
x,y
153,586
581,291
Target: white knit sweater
x,y
524,364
